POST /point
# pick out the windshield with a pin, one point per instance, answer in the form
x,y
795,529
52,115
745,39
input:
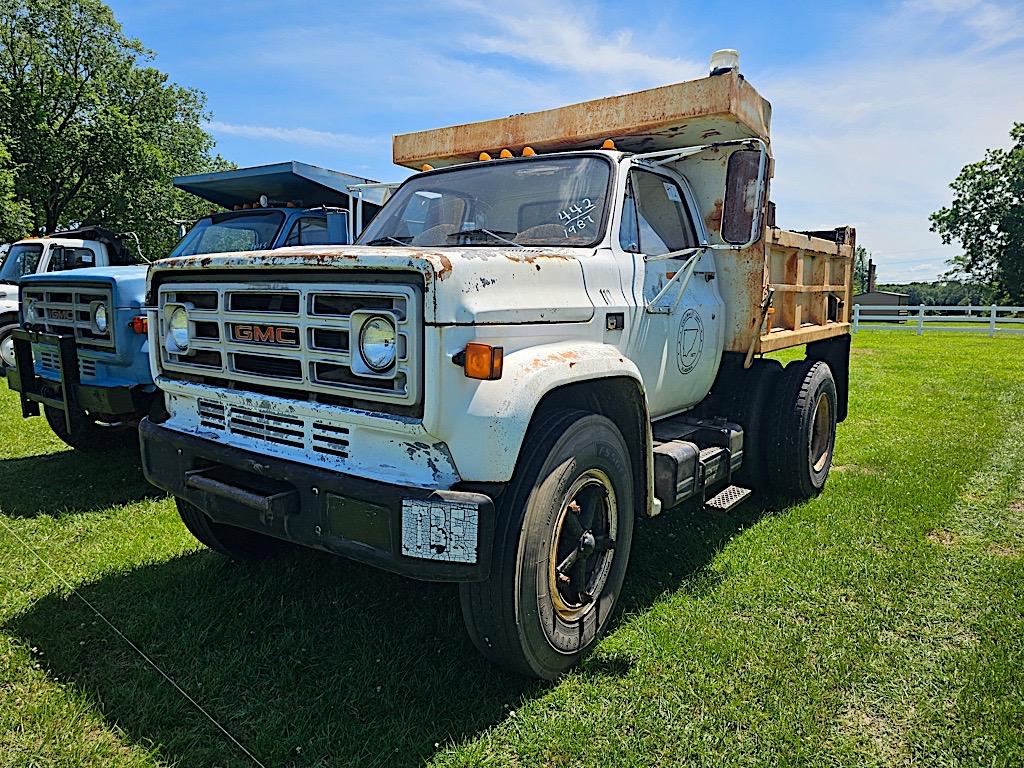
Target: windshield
x,y
556,202
22,259
229,232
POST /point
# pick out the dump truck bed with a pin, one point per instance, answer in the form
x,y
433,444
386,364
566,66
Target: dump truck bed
x,y
812,280
718,108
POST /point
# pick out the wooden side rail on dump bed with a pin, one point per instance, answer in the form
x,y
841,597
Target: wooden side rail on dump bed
x,y
812,280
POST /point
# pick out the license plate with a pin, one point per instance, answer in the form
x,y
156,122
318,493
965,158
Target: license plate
x,y
440,530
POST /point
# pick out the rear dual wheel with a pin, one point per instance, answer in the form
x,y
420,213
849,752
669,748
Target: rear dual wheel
x,y
565,527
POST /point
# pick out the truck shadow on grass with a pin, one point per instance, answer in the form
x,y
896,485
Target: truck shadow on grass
x,y
71,482
309,659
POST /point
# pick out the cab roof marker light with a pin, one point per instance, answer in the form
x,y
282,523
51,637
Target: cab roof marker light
x,y
529,152
608,144
504,154
426,167
484,156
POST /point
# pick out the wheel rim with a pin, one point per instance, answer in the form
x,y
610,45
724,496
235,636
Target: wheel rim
x,y
583,545
7,350
821,433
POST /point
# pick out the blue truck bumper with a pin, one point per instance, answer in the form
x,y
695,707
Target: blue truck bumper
x,y
66,393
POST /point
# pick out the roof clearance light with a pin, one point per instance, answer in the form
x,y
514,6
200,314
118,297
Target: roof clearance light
x,y
504,154
484,156
608,144
528,152
426,167
483,361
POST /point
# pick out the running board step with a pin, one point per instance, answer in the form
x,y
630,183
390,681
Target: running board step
x,y
728,499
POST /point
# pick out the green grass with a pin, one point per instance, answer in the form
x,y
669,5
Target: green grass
x,y
880,624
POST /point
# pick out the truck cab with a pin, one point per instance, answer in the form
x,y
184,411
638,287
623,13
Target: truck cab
x,y
83,335
61,253
554,330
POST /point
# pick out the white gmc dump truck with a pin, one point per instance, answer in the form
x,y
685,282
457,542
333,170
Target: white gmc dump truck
x,y
552,331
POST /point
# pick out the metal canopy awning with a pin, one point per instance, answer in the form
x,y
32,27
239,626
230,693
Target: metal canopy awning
x,y
291,182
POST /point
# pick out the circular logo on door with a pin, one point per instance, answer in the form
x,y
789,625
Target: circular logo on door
x,y
690,342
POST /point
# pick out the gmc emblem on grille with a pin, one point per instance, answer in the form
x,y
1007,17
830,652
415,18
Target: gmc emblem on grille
x,y
62,314
265,334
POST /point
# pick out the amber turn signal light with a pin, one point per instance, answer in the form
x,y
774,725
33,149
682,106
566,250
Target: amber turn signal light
x,y
140,324
482,361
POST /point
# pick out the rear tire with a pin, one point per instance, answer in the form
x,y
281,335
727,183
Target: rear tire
x,y
87,435
565,528
802,430
228,540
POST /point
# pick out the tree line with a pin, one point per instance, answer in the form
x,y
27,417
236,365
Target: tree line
x,y
90,132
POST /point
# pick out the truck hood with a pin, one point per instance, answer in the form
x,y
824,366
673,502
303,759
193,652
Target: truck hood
x,y
462,285
128,283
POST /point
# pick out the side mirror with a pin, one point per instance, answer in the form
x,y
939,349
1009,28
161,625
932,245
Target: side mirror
x,y
338,232
745,182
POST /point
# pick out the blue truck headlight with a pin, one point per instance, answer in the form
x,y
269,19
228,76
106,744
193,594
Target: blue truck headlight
x,y
177,328
100,322
378,343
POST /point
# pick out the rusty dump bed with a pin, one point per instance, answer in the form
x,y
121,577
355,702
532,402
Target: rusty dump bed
x,y
811,276
718,108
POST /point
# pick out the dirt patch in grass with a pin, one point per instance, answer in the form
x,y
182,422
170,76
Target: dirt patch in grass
x,y
1017,506
855,469
942,537
878,733
1002,550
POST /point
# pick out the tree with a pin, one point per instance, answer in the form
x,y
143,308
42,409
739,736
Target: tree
x,y
96,134
987,219
14,216
860,269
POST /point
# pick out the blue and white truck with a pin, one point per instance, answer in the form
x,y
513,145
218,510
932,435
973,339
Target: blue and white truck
x,y
80,352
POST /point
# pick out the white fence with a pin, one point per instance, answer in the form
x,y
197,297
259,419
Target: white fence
x,y
991,320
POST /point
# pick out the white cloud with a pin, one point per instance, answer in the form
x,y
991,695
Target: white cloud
x,y
878,136
305,136
565,37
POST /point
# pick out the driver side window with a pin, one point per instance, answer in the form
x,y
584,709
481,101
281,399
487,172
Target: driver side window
x,y
663,220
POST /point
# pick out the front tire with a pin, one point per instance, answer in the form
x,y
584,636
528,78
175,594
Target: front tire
x,y
88,435
802,432
565,529
228,540
7,345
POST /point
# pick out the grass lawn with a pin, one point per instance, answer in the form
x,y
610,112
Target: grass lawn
x,y
881,624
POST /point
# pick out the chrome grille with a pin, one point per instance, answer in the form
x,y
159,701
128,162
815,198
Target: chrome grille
x,y
305,434
294,337
67,310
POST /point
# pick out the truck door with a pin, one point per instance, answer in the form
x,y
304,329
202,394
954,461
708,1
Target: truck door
x,y
676,335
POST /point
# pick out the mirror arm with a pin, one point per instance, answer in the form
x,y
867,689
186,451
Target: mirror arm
x,y
682,276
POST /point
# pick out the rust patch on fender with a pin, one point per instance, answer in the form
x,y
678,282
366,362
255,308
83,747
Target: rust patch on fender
x,y
446,267
713,221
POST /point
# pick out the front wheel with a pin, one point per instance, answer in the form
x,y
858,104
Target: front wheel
x,y
7,346
229,540
88,435
564,534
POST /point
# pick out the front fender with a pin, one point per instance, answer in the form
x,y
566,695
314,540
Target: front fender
x,y
485,438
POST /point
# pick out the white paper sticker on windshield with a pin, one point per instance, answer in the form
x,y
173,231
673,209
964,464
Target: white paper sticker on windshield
x,y
672,191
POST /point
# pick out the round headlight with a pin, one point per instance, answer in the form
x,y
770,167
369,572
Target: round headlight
x,y
377,343
99,318
178,328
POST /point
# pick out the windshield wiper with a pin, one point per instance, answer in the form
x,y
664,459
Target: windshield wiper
x,y
385,239
482,231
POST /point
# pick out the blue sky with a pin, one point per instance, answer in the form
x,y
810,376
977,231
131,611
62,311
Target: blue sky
x,y
876,105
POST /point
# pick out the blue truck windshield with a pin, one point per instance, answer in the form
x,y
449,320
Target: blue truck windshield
x,y
539,201
229,232
22,259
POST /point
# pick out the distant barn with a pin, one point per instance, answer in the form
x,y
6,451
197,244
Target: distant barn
x,y
898,302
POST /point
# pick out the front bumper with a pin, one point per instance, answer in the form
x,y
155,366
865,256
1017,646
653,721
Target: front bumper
x,y
67,393
436,535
